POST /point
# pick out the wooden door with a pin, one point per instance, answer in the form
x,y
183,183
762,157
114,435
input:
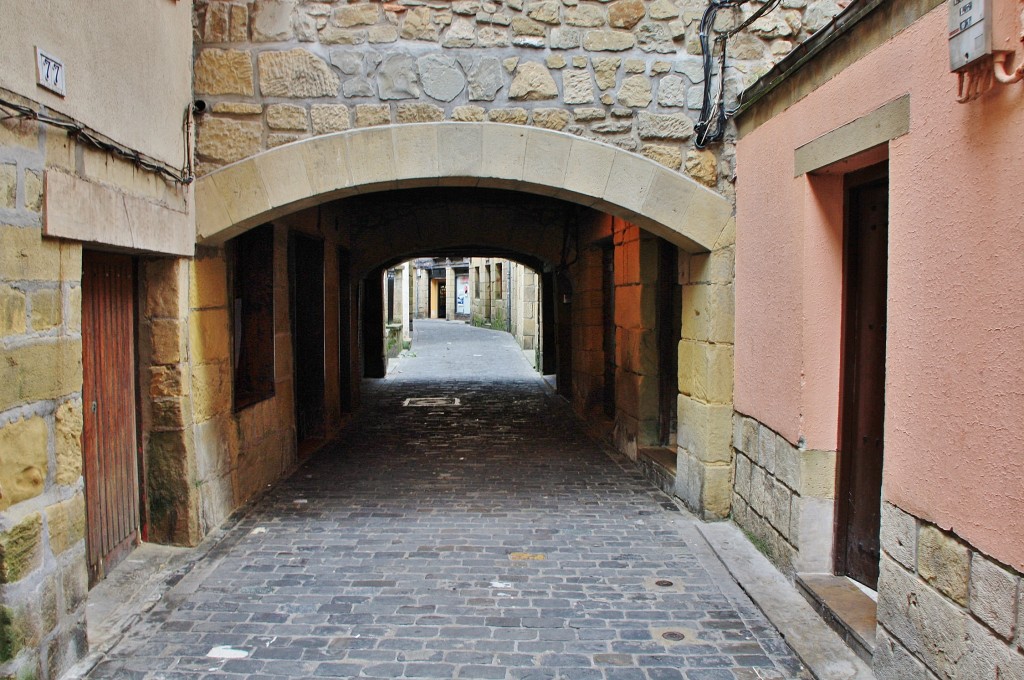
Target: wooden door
x,y
306,274
109,438
863,381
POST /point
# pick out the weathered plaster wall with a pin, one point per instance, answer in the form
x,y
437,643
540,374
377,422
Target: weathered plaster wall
x,y
953,360
128,66
952,534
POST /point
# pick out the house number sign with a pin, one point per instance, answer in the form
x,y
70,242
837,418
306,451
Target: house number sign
x,y
50,72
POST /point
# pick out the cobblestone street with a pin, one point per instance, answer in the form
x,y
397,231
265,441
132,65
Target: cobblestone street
x,y
492,539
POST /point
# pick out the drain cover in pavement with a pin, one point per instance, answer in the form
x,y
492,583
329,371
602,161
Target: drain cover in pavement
x,y
432,401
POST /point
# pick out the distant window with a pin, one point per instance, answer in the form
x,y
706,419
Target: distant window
x,y
476,285
253,274
497,279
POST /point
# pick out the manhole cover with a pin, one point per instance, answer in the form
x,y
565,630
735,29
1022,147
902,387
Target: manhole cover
x,y
664,584
673,636
432,401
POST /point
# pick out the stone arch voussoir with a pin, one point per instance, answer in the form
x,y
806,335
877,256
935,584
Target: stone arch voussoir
x,y
311,171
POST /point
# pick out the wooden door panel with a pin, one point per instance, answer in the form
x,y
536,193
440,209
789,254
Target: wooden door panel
x,y
861,451
110,455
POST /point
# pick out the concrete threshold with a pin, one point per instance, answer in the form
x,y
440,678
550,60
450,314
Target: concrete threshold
x,y
818,646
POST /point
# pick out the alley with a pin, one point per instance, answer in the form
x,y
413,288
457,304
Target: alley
x,y
485,539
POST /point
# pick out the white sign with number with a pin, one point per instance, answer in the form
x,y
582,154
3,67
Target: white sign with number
x,y
50,72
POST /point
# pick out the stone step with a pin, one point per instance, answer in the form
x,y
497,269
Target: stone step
x,y
845,607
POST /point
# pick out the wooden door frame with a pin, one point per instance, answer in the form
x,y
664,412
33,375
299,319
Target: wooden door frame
x,y
844,462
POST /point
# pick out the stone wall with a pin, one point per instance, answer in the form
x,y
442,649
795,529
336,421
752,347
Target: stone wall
x,y
945,609
627,72
704,461
783,496
43,576
525,319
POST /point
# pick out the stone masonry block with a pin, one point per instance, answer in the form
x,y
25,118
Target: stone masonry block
x,y
893,662
43,370
717,492
766,449
26,256
993,595
208,282
209,335
705,430
12,311
818,473
899,535
759,485
713,370
810,530
742,476
68,424
66,523
166,287
750,435
936,631
46,309
787,463
224,72
944,562
168,341
20,549
737,431
9,186
211,390
779,509
23,460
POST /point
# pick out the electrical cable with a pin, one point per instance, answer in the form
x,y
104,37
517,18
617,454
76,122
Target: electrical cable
x,y
102,142
712,110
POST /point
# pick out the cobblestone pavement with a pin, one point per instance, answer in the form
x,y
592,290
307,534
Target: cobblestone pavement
x,y
487,540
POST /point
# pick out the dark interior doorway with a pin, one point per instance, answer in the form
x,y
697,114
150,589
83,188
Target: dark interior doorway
x,y
345,386
863,375
442,299
608,327
306,276
669,320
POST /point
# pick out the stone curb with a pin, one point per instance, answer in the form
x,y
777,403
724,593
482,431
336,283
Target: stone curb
x,y
820,649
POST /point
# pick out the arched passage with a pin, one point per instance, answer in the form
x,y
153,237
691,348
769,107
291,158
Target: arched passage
x,y
488,155
599,223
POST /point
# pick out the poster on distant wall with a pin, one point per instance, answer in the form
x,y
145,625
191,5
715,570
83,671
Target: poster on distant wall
x,y
462,295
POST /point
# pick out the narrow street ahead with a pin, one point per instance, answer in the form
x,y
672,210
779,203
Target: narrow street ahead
x,y
488,539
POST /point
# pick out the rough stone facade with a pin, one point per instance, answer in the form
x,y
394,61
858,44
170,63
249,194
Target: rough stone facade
x,y
945,610
627,72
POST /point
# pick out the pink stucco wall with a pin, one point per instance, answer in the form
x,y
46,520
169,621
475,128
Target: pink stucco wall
x,y
954,429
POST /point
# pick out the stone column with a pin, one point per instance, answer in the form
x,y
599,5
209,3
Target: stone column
x,y
449,301
704,452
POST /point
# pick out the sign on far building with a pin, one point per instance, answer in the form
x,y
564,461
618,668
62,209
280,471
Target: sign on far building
x,y
50,72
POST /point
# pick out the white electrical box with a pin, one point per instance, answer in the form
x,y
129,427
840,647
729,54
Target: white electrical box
x,y
970,32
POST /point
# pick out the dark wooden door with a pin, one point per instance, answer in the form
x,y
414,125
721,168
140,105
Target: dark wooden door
x,y
306,274
863,381
109,437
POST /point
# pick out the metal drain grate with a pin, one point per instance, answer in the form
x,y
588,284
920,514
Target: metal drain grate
x,y
432,402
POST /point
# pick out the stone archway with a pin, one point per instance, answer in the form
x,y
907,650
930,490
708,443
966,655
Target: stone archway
x,y
237,197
